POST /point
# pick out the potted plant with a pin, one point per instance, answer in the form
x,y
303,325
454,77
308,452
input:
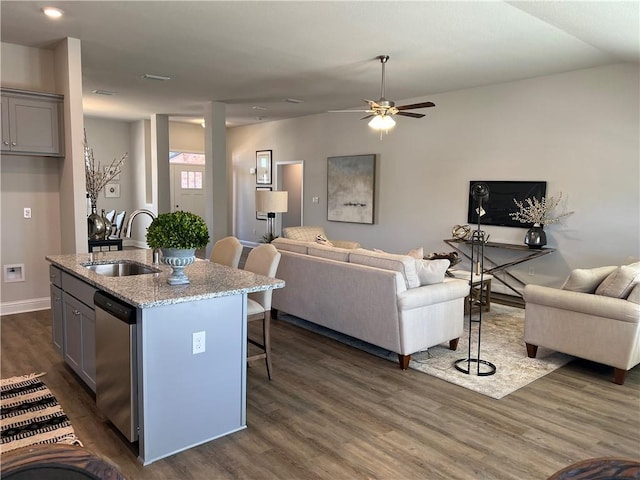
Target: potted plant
x,y
177,235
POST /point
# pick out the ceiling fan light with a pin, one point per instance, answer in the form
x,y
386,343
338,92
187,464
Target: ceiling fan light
x,y
382,122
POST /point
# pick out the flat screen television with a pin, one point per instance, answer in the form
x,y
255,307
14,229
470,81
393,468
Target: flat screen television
x,y
500,202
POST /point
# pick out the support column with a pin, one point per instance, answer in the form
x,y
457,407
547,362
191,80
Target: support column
x,y
160,162
216,190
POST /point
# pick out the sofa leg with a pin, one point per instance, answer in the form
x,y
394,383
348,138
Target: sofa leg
x,y
453,344
618,376
403,360
532,350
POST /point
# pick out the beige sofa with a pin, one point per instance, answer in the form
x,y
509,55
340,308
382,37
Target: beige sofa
x,y
595,316
310,234
375,297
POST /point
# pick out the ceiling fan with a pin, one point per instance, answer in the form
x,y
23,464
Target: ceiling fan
x,y
381,111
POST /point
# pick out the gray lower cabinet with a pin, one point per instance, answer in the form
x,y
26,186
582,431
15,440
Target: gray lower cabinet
x,y
57,330
32,123
79,328
57,327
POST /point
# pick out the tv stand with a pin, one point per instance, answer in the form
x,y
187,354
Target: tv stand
x,y
524,254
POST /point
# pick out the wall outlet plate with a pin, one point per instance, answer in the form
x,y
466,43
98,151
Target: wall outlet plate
x,y
199,342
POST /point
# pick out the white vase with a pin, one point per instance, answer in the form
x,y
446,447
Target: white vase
x,y
178,259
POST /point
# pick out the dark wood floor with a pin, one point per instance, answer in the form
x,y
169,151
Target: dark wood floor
x,y
333,412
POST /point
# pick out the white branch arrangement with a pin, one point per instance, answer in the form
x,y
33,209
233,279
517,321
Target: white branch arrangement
x,y
539,212
96,178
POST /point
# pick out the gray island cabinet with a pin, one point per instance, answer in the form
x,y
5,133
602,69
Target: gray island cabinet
x,y
186,392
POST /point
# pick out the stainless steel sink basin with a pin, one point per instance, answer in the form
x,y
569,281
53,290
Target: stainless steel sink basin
x,y
121,268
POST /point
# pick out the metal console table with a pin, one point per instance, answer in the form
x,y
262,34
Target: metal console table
x,y
525,254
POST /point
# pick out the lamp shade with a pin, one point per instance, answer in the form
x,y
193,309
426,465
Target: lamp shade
x,y
268,201
382,122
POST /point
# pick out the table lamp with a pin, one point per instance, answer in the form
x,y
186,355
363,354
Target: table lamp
x,y
271,202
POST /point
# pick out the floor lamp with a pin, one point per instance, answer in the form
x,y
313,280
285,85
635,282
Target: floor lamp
x,y
480,193
272,203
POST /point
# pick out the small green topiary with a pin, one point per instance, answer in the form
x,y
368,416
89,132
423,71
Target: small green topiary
x,y
178,230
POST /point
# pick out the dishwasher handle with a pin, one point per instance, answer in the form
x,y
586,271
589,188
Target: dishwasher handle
x,y
115,307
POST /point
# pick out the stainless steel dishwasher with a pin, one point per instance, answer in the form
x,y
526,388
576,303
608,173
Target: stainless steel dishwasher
x,y
116,363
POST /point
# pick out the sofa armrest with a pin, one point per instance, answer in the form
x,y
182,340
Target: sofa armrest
x,y
449,289
588,303
345,244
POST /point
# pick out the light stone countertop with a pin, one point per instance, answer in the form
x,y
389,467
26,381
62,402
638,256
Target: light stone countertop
x,y
207,279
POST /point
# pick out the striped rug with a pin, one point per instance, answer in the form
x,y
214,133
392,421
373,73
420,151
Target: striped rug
x,y
30,415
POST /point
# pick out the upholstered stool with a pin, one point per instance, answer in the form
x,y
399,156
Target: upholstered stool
x,y
481,291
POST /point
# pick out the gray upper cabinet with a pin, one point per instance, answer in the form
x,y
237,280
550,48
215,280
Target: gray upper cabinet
x,y
32,123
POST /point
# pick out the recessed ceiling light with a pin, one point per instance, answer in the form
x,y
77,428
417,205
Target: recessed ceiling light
x,y
294,100
103,92
162,78
256,107
52,12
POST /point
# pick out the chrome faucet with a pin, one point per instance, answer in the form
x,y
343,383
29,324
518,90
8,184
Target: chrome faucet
x,y
127,232
134,214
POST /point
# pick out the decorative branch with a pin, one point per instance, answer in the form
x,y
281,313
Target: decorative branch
x,y
95,177
535,211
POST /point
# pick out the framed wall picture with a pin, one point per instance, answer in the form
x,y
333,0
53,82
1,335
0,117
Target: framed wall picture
x,y
108,171
351,188
112,190
263,167
262,215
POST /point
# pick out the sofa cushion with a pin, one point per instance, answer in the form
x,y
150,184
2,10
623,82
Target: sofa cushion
x,y
404,264
586,280
332,253
290,245
620,282
431,271
417,253
305,233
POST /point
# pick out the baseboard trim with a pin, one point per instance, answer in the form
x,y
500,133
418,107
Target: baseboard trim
x,y
23,306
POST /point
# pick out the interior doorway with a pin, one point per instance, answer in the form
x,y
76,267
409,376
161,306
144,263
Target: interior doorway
x,y
290,178
186,172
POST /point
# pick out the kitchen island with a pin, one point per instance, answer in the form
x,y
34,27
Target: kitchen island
x,y
190,341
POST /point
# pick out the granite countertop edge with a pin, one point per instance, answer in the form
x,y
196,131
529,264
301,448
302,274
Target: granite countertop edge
x,y
208,280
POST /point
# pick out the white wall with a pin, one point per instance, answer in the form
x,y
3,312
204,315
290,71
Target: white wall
x,y
110,139
577,130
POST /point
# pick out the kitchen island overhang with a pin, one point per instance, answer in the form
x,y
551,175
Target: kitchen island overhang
x,y
184,398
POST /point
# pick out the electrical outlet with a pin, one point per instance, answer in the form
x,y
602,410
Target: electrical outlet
x,y
199,341
27,212
315,200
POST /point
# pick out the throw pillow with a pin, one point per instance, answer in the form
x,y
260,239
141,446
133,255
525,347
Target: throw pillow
x,y
620,282
634,296
417,253
586,280
431,271
322,240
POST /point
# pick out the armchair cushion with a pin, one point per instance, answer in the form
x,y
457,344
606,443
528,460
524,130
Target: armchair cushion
x,y
586,280
620,282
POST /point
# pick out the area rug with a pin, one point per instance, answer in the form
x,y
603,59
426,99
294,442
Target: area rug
x,y
502,344
31,415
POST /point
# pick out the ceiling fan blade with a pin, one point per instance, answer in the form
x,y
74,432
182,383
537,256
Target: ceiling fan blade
x,y
416,105
367,116
411,114
347,111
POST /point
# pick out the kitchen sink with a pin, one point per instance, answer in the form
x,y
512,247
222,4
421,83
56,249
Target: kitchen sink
x,y
120,268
